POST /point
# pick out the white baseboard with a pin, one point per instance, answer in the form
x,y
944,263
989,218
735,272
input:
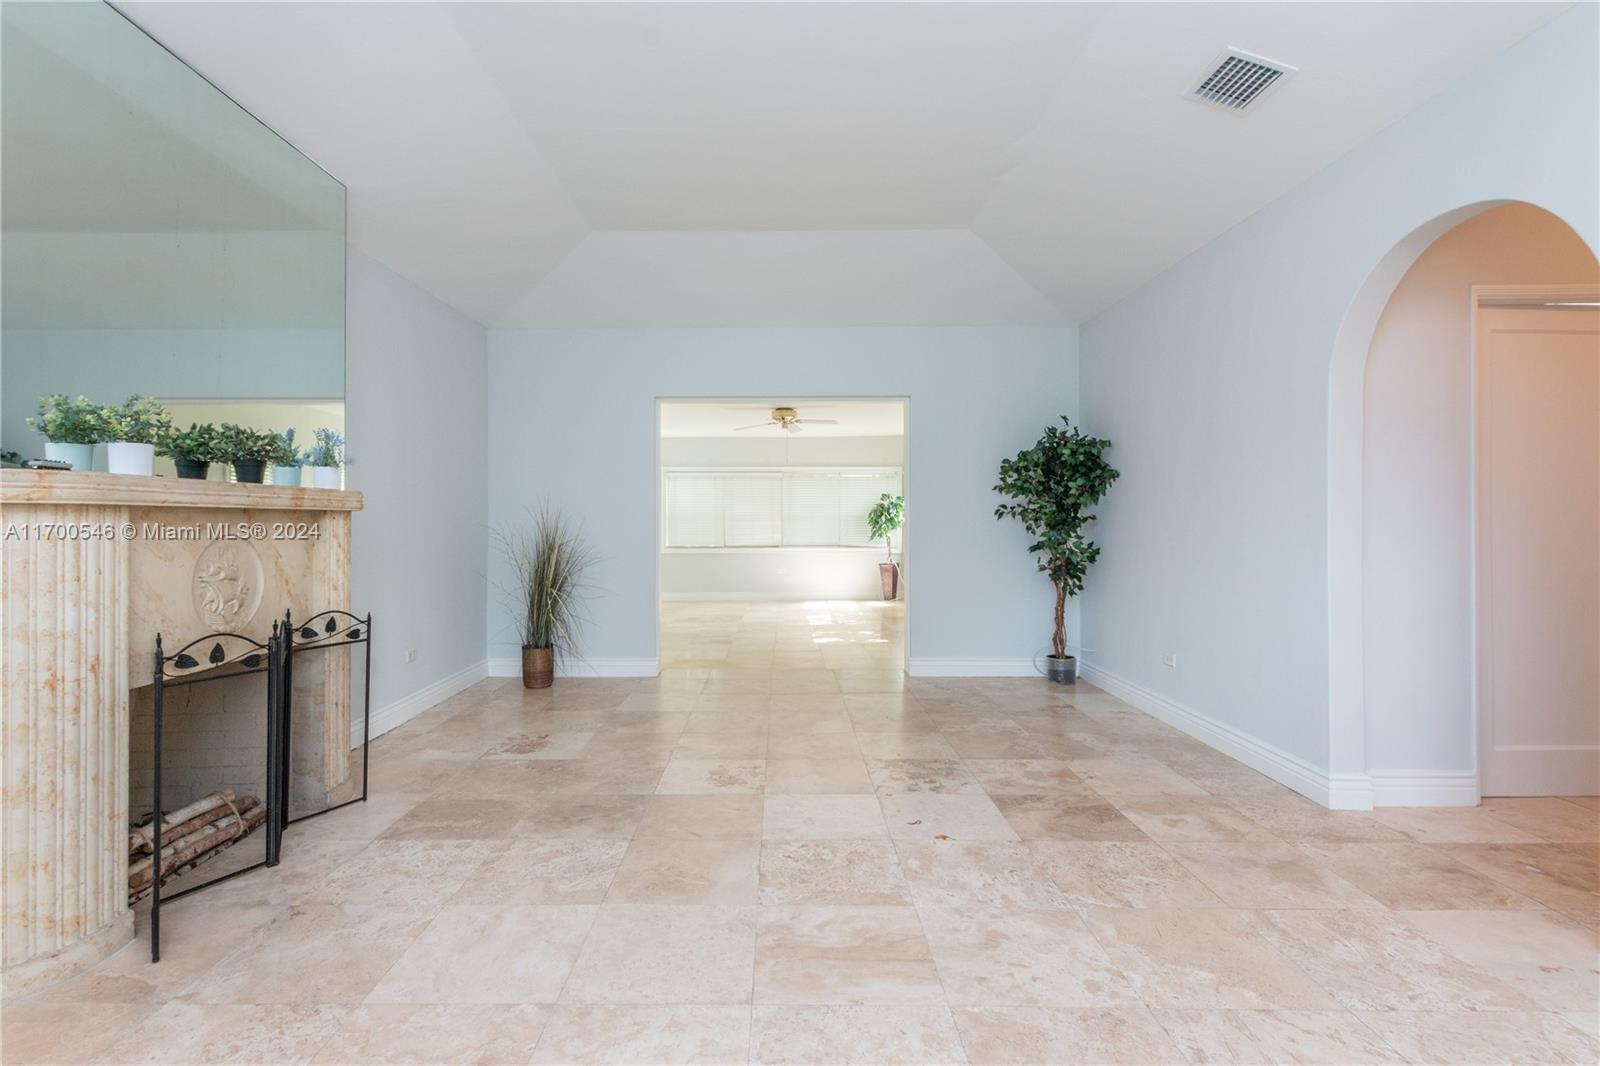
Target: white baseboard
x,y
583,668
406,708
1422,788
1349,792
1289,770
1339,792
972,668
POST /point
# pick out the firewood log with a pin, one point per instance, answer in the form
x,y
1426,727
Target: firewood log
x,y
135,895
186,849
196,848
140,838
173,838
140,845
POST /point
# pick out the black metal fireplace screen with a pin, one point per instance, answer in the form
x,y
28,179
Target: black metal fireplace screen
x,y
201,830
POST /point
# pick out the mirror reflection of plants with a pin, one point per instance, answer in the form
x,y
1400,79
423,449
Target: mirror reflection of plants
x,y
1053,484
550,564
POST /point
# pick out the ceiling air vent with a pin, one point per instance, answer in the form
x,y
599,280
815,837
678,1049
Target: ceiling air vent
x,y
1238,80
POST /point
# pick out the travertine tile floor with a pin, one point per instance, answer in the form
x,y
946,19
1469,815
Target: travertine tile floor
x,y
780,851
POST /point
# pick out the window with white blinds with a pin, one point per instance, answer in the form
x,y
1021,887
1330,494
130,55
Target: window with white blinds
x,y
810,509
858,491
792,508
694,512
751,511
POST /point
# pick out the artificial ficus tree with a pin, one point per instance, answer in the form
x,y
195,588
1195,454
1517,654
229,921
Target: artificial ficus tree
x,y
886,516
1052,485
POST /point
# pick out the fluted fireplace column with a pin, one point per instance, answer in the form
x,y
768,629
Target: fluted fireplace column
x,y
65,732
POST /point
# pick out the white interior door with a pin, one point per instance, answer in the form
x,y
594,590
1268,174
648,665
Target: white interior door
x,y
1538,551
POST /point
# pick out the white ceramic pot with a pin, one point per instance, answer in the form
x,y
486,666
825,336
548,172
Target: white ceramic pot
x,y
125,457
286,475
81,456
325,477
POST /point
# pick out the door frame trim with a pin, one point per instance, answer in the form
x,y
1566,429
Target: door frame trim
x,y
1531,297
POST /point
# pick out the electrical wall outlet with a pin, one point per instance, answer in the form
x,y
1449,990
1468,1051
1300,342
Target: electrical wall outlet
x,y
411,655
1170,661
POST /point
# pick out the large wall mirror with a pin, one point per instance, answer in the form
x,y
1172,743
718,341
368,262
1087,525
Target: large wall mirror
x,y
158,239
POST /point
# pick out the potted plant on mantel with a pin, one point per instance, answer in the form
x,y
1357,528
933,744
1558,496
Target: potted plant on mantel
x,y
192,450
324,458
132,432
886,516
286,460
550,564
1053,484
71,429
249,450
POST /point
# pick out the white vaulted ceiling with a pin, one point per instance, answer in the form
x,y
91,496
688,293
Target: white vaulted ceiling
x,y
811,164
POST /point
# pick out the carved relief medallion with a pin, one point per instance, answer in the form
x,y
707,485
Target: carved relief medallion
x,y
227,585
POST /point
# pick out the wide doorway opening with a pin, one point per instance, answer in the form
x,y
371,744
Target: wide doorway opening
x,y
782,541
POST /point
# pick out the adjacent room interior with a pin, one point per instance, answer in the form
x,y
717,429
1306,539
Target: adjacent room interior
x,y
769,557
900,533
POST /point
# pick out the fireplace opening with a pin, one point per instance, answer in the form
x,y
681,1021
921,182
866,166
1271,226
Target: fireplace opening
x,y
234,740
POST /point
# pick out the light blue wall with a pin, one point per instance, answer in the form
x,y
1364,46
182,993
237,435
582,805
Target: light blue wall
x,y
1213,379
572,419
415,423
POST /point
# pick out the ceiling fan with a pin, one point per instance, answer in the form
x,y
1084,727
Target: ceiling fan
x,y
789,419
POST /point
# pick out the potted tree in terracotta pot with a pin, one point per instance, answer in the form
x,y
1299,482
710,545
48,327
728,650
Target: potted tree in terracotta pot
x,y
549,564
1052,485
886,516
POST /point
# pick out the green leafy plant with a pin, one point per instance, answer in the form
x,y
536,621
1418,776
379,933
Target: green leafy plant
x,y
197,444
550,564
886,516
243,444
328,449
286,454
139,420
1053,484
64,420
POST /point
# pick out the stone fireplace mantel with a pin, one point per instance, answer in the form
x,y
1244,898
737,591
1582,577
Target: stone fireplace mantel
x,y
92,567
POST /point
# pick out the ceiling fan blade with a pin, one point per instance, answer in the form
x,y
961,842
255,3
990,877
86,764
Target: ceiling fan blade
x,y
758,425
819,421
794,427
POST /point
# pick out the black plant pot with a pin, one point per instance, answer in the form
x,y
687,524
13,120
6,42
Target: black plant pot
x,y
192,468
249,471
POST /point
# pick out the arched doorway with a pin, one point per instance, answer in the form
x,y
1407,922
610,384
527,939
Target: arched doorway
x,y
1402,501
